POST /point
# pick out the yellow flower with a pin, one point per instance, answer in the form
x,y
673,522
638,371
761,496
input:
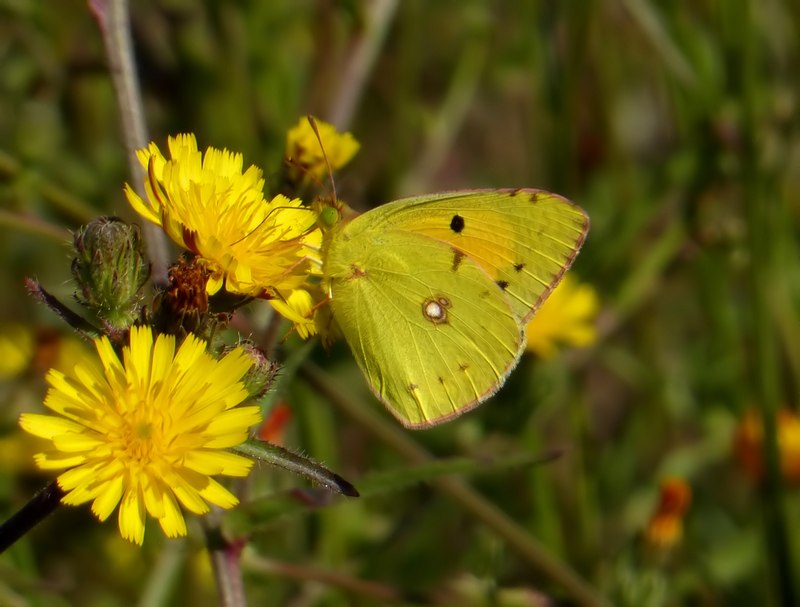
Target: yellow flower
x,y
209,206
147,432
16,350
665,528
304,150
566,317
299,308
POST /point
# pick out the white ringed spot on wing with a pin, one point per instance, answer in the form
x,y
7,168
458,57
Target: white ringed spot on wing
x,y
434,309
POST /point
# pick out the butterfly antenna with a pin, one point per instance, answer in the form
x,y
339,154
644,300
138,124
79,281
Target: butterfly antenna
x,y
313,123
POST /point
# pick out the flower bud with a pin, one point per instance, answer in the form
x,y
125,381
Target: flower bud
x,y
261,375
110,270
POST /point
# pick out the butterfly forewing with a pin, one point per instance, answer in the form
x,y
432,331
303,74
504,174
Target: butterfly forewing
x,y
524,239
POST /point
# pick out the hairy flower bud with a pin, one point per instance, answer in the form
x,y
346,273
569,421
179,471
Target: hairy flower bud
x,y
261,375
110,270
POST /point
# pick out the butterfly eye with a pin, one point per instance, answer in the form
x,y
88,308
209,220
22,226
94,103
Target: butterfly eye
x,y
328,217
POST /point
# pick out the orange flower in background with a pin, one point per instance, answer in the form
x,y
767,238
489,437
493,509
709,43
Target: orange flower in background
x,y
748,444
273,427
57,351
665,528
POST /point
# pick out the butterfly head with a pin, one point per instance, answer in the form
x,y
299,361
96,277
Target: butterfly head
x,y
328,217
332,213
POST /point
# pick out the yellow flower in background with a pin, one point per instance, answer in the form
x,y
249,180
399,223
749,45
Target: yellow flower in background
x,y
16,349
567,317
304,151
147,432
17,451
206,204
665,528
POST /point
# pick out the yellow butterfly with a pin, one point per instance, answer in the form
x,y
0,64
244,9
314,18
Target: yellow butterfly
x,y
433,293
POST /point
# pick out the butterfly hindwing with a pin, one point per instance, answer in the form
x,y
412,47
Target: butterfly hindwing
x,y
430,329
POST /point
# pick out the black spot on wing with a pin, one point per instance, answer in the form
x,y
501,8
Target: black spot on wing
x,y
457,223
519,267
503,284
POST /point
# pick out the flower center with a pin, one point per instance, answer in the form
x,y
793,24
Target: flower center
x,y
142,437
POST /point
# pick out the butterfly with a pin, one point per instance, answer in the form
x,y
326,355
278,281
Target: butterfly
x,y
433,293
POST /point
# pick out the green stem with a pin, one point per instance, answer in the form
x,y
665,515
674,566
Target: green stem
x,y
165,575
336,579
646,16
513,534
450,117
34,225
58,198
362,58
280,457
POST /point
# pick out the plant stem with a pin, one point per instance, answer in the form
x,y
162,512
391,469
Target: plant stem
x,y
337,579
58,198
226,562
362,58
30,224
165,575
450,117
113,20
31,514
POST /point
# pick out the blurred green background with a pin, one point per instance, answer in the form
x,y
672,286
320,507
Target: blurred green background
x,y
674,124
